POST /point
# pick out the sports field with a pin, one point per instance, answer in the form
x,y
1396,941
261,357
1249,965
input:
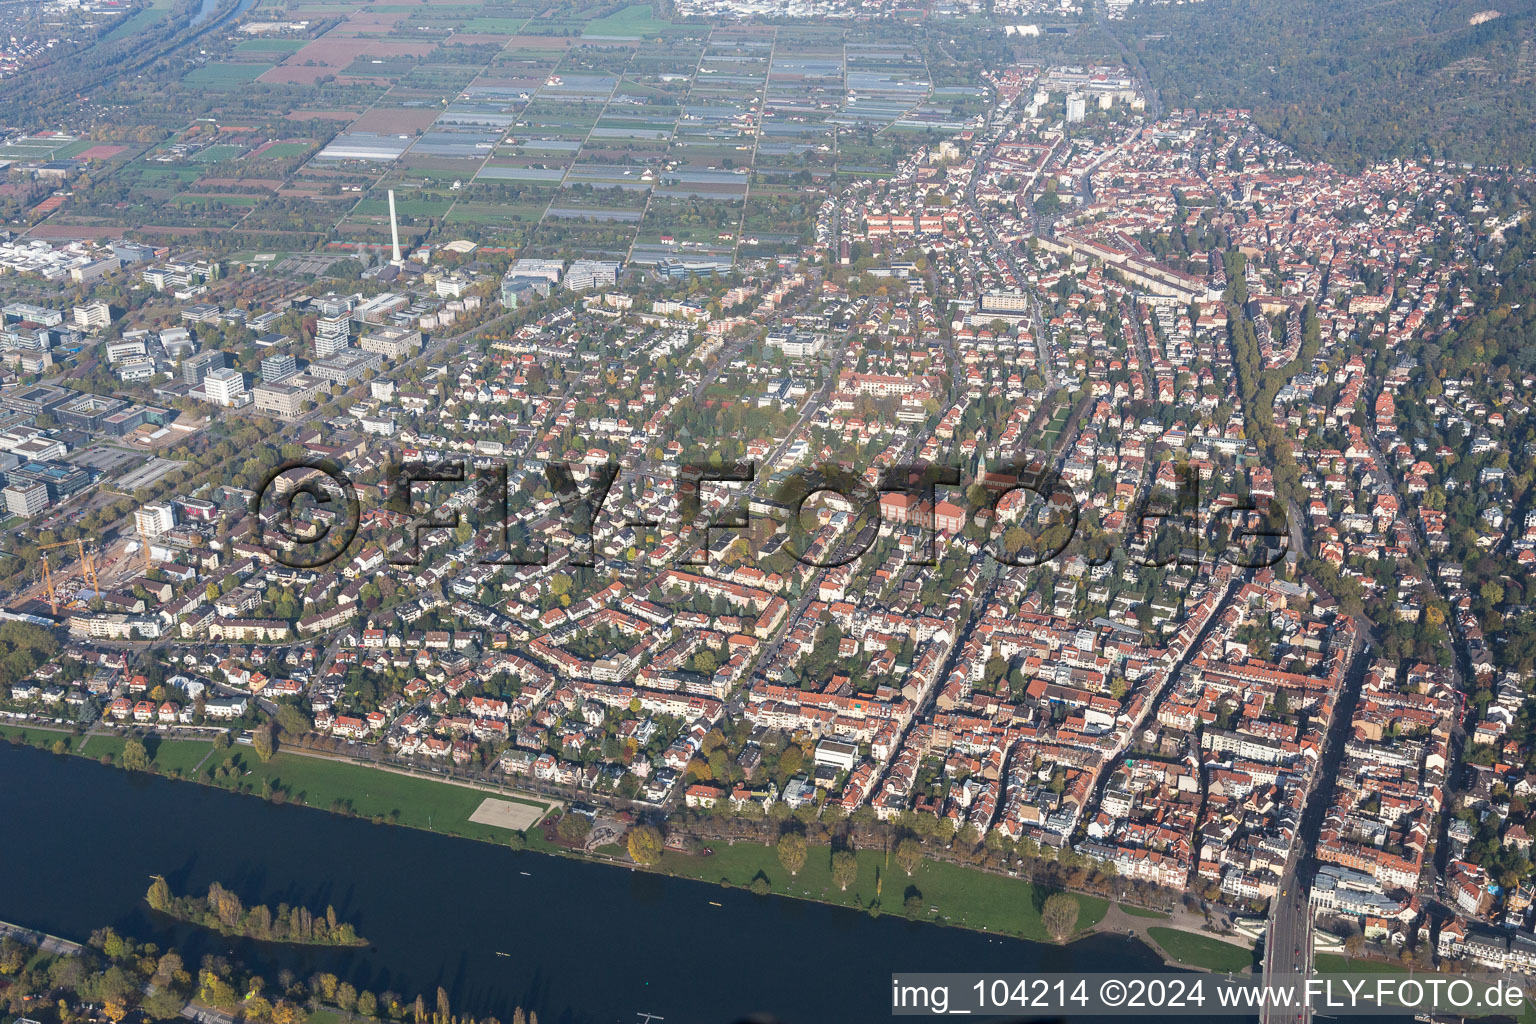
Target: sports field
x,y
506,814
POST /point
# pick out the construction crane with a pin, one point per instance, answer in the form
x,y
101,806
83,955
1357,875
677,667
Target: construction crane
x,y
85,564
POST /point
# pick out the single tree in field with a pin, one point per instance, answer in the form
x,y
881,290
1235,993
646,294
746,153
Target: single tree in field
x,y
645,845
135,757
845,868
1059,915
909,855
792,852
264,740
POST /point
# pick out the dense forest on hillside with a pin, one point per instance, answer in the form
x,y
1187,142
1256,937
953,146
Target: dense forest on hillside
x,y
1352,81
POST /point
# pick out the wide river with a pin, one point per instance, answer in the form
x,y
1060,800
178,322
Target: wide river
x,y
586,943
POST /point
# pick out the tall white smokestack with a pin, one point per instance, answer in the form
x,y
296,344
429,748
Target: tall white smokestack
x,y
394,228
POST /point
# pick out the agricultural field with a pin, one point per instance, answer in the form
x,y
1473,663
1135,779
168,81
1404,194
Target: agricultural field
x,y
601,130
225,76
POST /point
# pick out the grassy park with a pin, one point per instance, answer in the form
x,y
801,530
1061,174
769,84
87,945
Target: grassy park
x,y
35,736
168,756
1337,963
373,793
317,782
1201,950
1134,911
951,894
946,893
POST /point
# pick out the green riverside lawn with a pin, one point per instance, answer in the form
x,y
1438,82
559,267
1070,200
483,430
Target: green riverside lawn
x,y
166,755
962,896
1201,950
951,894
1337,963
33,736
371,792
365,791
1135,911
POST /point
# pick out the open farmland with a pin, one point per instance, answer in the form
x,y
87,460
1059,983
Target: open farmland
x,y
603,131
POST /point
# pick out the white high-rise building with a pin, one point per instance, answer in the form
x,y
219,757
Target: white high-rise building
x,y
226,387
155,519
278,367
332,334
26,499
1077,108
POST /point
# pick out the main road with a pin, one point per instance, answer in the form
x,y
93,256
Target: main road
x,y
1288,942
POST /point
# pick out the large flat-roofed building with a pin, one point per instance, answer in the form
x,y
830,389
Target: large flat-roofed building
x,y
92,315
60,478
94,270
154,519
548,270
127,348
35,400
31,444
32,362
196,367
26,498
88,411
286,398
126,421
517,290
391,342
278,367
588,274
678,268
26,312
838,754
177,342
378,308
332,305
132,252
332,335
201,313
346,367
196,510
226,387
796,344
1005,302
382,426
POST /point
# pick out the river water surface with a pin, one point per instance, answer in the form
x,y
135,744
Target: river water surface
x,y
586,943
